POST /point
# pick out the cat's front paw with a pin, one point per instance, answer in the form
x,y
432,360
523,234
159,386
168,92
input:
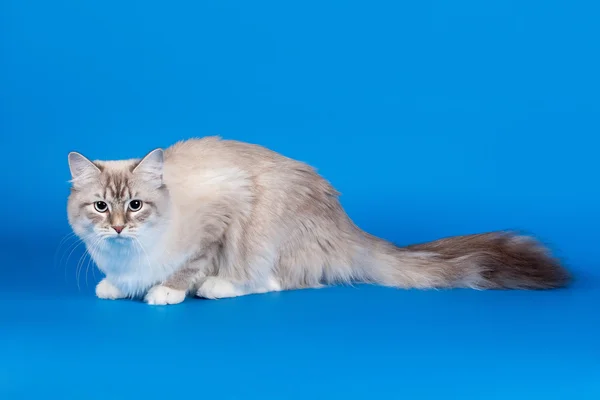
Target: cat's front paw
x,y
160,295
106,290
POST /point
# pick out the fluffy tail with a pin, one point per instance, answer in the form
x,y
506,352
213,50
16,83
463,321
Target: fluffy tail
x,y
497,260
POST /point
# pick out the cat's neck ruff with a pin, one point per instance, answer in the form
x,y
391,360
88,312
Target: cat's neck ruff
x,y
135,264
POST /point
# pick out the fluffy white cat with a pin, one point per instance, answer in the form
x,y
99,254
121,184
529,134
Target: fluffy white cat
x,y
218,218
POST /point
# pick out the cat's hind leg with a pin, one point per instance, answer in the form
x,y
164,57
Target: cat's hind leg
x,y
216,287
175,289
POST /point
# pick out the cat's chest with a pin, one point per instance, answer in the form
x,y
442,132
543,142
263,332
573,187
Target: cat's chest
x,y
135,272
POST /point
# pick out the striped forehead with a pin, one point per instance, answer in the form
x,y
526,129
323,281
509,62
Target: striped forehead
x,y
117,185
116,179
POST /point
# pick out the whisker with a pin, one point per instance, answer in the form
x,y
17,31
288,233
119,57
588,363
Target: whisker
x,y
72,247
87,267
95,251
139,254
82,261
63,242
90,258
79,243
83,256
144,250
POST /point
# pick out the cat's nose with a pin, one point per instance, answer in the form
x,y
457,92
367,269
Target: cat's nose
x,y
118,228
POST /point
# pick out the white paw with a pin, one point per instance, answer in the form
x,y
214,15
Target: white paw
x,y
218,288
160,295
106,290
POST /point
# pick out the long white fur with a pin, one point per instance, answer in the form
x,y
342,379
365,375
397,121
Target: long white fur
x,y
225,218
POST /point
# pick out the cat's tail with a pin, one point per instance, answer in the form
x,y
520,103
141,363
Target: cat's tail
x,y
497,260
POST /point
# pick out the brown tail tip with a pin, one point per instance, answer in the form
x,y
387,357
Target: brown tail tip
x,y
521,262
505,260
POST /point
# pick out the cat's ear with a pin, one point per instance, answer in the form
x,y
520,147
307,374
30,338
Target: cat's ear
x,y
81,168
151,166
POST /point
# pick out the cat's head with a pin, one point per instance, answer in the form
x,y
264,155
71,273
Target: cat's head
x,y
117,201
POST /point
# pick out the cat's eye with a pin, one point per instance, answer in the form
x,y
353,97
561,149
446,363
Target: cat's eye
x,y
100,206
135,205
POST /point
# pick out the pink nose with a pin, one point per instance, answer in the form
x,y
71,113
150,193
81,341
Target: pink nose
x,y
118,228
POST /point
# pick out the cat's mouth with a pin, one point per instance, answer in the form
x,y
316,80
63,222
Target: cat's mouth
x,y
120,238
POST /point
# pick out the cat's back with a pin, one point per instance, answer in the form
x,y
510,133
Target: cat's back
x,y
211,161
202,167
214,152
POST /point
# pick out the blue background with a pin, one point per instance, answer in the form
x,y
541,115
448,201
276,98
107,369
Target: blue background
x,y
433,118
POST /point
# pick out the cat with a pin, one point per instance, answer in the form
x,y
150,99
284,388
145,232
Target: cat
x,y
221,218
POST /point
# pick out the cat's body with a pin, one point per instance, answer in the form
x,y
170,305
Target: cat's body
x,y
220,218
